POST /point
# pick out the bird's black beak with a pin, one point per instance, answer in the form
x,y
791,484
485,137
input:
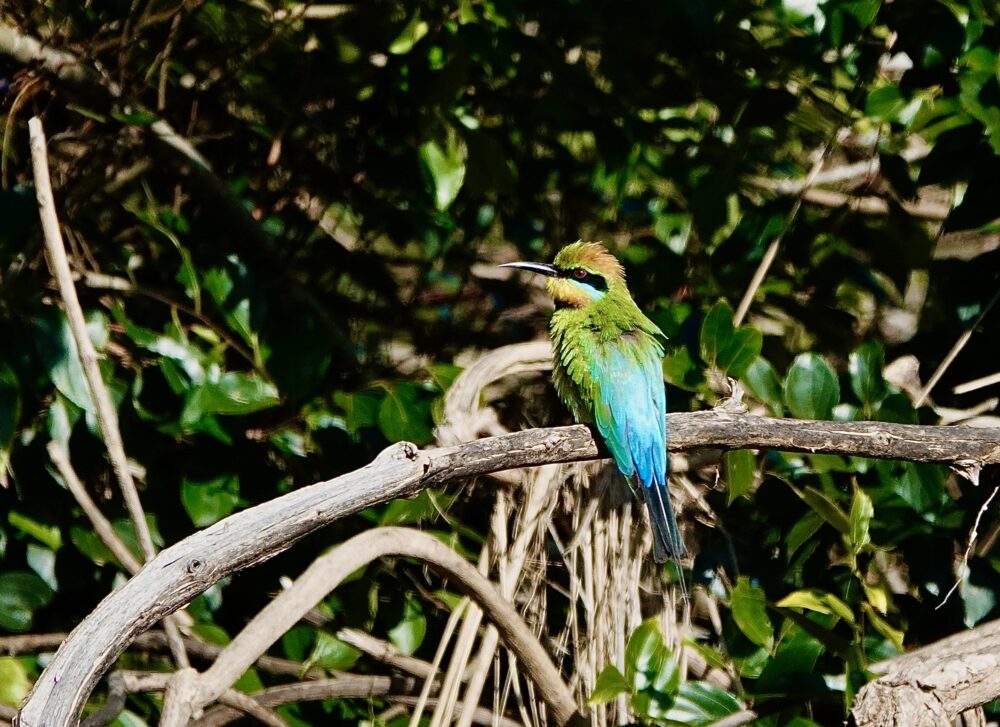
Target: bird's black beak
x,y
542,268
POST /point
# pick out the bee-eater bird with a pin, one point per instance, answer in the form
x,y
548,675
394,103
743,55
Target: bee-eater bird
x,y
608,369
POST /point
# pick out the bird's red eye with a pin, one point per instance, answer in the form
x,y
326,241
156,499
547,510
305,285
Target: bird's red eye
x,y
579,273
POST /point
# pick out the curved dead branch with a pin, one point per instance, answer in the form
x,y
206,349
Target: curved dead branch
x,y
192,565
327,571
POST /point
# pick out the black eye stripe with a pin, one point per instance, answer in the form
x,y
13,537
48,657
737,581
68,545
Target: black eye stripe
x,y
595,281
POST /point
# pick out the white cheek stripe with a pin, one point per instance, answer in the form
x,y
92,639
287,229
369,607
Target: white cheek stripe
x,y
588,290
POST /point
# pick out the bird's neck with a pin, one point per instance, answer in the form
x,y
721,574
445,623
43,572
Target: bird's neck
x,y
608,318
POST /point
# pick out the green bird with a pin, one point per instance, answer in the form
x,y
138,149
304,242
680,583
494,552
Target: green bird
x,y
608,370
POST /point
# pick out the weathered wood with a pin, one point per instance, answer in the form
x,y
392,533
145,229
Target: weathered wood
x,y
934,685
189,567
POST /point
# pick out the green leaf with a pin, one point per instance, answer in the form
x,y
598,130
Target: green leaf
x,y
739,353
681,371
14,681
410,35
127,718
446,168
329,652
826,508
793,663
10,412
811,388
409,633
864,366
861,516
919,484
47,535
763,382
297,642
610,683
701,704
360,409
403,416
673,229
232,393
210,501
978,601
716,332
644,654
802,531
408,511
883,627
885,103
57,350
21,594
819,601
741,472
749,607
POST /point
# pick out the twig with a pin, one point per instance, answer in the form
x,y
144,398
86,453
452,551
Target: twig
x,y
327,571
386,652
980,383
736,719
192,565
772,250
390,689
157,641
123,683
102,526
955,350
104,408
963,569
450,625
107,417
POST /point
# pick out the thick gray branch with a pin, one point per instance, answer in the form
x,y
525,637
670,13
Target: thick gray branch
x,y
189,567
932,686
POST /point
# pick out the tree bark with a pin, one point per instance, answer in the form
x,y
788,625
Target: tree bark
x,y
192,565
935,685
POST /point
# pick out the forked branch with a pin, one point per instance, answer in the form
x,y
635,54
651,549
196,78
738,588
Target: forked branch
x,y
192,565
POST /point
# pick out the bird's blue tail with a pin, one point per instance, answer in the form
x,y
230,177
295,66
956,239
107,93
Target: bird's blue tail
x,y
667,542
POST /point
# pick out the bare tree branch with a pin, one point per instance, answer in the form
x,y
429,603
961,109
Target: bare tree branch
x,y
104,408
102,526
192,565
933,685
326,572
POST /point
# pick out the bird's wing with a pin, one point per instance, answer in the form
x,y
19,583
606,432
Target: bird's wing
x,y
630,412
630,405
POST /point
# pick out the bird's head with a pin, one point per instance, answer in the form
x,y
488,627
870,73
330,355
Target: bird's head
x,y
582,273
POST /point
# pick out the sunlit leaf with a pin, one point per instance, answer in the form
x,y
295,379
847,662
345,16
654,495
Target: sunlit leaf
x,y
445,165
860,517
14,681
404,416
610,683
47,535
701,703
